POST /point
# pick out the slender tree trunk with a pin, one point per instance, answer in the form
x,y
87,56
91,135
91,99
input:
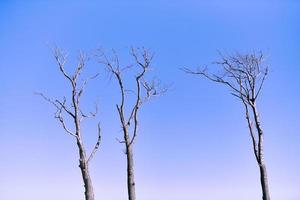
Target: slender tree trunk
x,y
130,172
83,165
262,168
264,182
88,186
261,162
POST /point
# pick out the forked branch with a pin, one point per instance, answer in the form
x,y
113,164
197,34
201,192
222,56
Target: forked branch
x,y
143,90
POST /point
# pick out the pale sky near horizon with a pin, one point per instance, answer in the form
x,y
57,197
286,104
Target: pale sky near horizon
x,y
193,142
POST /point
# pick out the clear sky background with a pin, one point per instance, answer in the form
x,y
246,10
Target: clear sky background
x,y
193,142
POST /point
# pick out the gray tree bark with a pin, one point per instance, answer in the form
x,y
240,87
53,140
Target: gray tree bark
x,y
83,160
84,168
130,173
261,161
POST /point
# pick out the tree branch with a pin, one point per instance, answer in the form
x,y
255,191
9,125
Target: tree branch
x,y
60,106
96,145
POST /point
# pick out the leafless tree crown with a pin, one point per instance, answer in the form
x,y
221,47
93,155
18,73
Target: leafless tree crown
x,y
144,89
77,89
243,74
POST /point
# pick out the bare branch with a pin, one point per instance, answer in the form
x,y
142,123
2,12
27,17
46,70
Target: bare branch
x,y
63,106
145,60
154,88
81,63
62,121
214,78
262,82
250,127
96,145
47,99
61,60
84,84
60,106
120,141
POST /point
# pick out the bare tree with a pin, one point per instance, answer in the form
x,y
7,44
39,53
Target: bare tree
x,y
244,75
76,115
144,91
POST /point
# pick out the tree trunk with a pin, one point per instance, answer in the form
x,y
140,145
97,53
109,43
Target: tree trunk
x,y
130,173
261,162
89,191
264,182
262,168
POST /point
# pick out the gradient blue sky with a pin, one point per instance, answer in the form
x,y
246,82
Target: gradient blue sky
x,y
193,142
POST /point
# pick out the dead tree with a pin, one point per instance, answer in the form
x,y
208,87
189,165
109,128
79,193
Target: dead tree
x,y
76,115
144,91
244,75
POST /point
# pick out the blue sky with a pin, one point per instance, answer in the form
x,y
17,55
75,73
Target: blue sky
x,y
193,142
